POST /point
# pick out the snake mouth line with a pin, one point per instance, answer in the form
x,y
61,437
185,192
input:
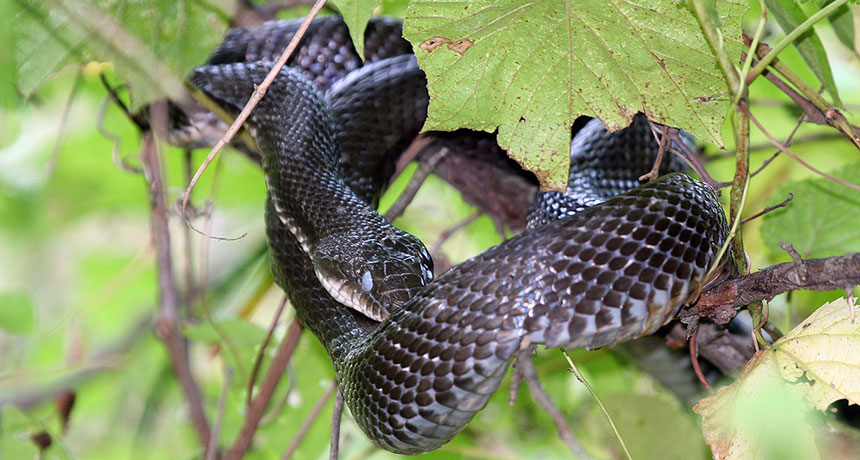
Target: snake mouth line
x,y
347,295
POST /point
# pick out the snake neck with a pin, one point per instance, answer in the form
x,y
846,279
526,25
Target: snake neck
x,y
358,257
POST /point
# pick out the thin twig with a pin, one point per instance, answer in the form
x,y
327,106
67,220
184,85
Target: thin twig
x,y
582,380
793,35
139,121
785,150
447,234
309,420
787,143
425,168
116,155
765,314
212,448
336,416
259,92
817,109
526,369
258,360
415,147
694,359
693,162
769,209
190,284
273,411
264,395
166,326
664,141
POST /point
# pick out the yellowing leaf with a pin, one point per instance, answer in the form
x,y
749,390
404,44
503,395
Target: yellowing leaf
x,y
764,414
736,419
824,350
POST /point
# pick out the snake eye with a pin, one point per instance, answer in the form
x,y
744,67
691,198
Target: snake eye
x,y
366,281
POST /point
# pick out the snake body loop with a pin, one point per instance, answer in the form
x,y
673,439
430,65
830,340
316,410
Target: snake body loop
x,y
612,272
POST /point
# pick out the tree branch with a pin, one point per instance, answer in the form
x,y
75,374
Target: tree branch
x,y
264,394
837,272
166,326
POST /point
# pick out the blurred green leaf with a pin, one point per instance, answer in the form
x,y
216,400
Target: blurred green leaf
x,y
842,21
15,431
8,62
16,312
789,16
653,427
356,13
151,44
822,218
529,69
238,330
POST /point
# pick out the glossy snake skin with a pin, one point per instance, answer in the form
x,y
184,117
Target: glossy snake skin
x,y
612,272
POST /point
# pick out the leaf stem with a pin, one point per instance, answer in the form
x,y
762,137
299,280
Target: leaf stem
x,y
579,377
714,38
755,41
792,36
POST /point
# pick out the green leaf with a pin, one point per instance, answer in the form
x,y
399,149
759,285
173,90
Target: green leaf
x,y
237,339
653,427
16,312
789,16
766,412
8,63
151,44
530,68
15,431
842,21
820,221
356,13
238,330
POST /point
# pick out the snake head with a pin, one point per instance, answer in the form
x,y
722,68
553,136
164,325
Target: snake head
x,y
373,274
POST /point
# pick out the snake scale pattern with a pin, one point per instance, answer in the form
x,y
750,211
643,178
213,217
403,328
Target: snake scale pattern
x,y
416,358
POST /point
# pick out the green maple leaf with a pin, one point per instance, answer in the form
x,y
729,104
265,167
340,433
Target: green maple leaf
x,y
530,68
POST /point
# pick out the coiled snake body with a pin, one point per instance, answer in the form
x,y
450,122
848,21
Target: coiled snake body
x,y
417,359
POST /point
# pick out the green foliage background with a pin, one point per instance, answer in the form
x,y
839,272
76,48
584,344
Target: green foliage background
x,y
78,289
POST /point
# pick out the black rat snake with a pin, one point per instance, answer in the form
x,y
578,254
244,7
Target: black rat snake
x,y
415,358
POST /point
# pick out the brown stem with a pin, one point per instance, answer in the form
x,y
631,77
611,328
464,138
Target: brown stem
x,y
740,183
336,416
166,326
264,395
309,420
447,234
796,158
425,168
720,301
694,359
258,360
776,154
820,106
664,141
769,209
526,368
212,448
